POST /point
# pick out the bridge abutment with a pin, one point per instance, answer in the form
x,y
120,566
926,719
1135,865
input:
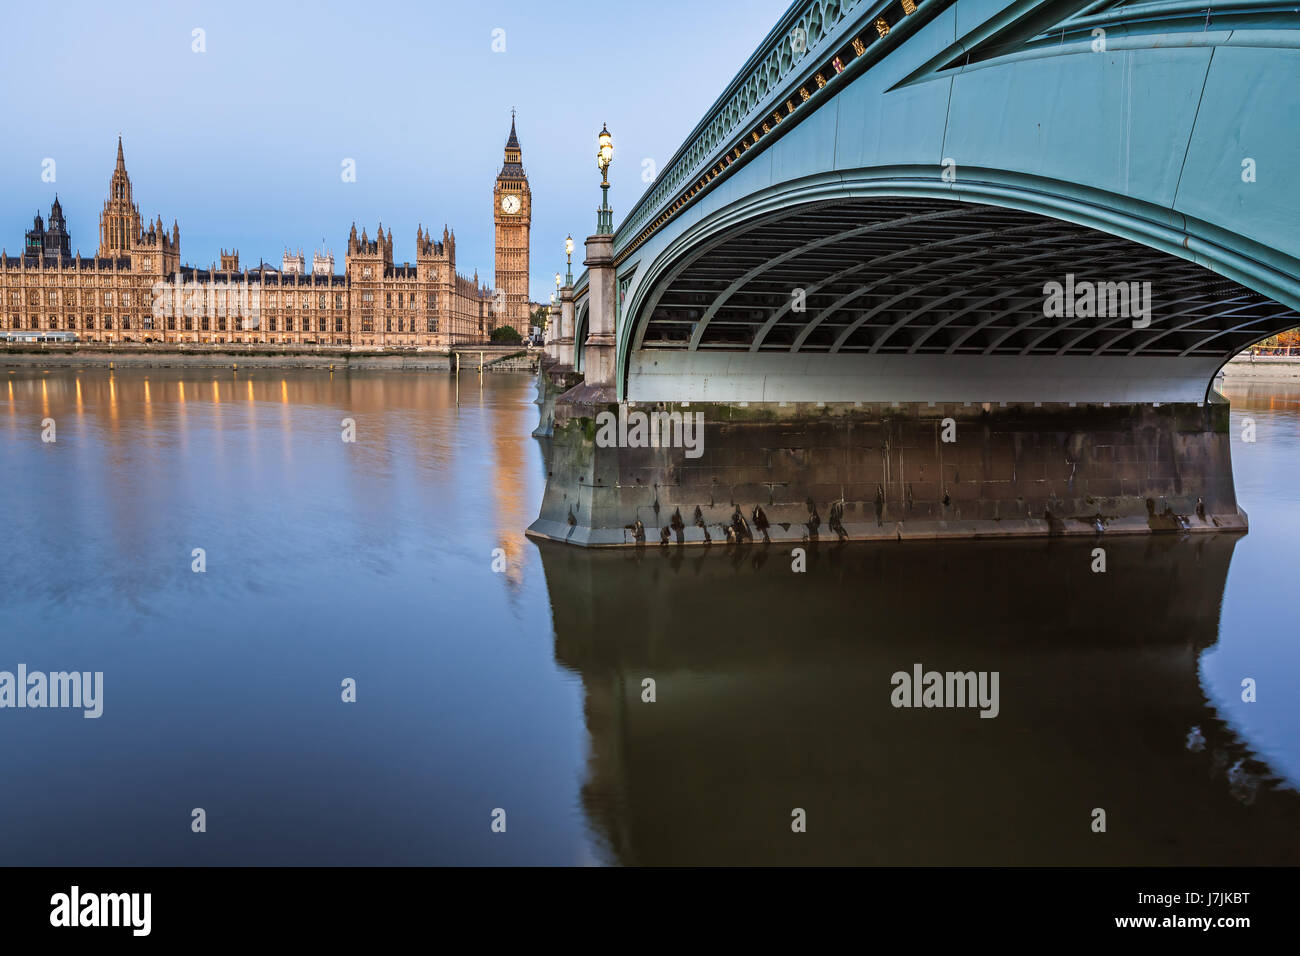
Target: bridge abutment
x,y
864,471
553,380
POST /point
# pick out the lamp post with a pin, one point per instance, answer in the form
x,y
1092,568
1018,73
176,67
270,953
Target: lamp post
x,y
604,156
568,259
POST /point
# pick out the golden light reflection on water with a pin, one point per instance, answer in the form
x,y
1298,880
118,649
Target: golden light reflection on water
x,y
510,446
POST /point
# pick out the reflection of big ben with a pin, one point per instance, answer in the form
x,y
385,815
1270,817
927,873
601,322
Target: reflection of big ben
x,y
513,211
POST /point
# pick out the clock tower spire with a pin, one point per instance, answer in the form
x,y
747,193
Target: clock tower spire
x,y
513,213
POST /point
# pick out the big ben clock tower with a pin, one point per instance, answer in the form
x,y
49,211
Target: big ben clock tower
x,y
513,212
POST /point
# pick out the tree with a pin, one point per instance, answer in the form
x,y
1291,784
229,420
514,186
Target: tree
x,y
507,334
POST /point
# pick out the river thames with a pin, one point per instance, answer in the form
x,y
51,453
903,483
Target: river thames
x,y
496,673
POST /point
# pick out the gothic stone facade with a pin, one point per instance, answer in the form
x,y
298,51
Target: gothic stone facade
x,y
114,296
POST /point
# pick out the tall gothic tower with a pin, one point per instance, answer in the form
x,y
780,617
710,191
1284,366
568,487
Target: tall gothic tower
x,y
513,211
119,223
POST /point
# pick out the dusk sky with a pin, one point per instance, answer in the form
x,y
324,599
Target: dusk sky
x,y
243,144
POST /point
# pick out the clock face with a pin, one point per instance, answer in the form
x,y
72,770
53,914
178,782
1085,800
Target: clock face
x,y
510,204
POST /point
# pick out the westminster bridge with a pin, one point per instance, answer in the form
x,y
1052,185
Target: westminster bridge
x,y
931,268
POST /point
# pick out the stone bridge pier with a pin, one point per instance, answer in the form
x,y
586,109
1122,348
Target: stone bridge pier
x,y
846,471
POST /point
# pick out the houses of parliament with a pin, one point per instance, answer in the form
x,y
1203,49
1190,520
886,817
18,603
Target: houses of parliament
x,y
374,302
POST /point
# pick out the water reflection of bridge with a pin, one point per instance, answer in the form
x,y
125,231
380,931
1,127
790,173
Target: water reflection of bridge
x,y
773,693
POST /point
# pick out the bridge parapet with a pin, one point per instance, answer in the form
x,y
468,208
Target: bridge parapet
x,y
816,47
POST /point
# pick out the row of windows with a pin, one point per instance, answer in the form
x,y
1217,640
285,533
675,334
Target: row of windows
x,y
52,298
303,299
368,325
124,322
404,300
205,324
272,324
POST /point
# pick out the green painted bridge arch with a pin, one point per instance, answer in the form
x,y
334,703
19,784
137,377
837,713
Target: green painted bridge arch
x,y
882,203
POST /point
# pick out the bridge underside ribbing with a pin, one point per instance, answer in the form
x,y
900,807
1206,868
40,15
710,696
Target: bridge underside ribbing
x,y
923,299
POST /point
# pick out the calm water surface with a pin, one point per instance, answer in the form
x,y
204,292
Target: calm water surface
x,y
521,689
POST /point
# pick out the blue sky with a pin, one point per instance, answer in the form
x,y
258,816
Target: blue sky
x,y
243,143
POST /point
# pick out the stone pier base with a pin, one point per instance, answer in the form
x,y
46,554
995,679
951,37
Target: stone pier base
x,y
867,472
